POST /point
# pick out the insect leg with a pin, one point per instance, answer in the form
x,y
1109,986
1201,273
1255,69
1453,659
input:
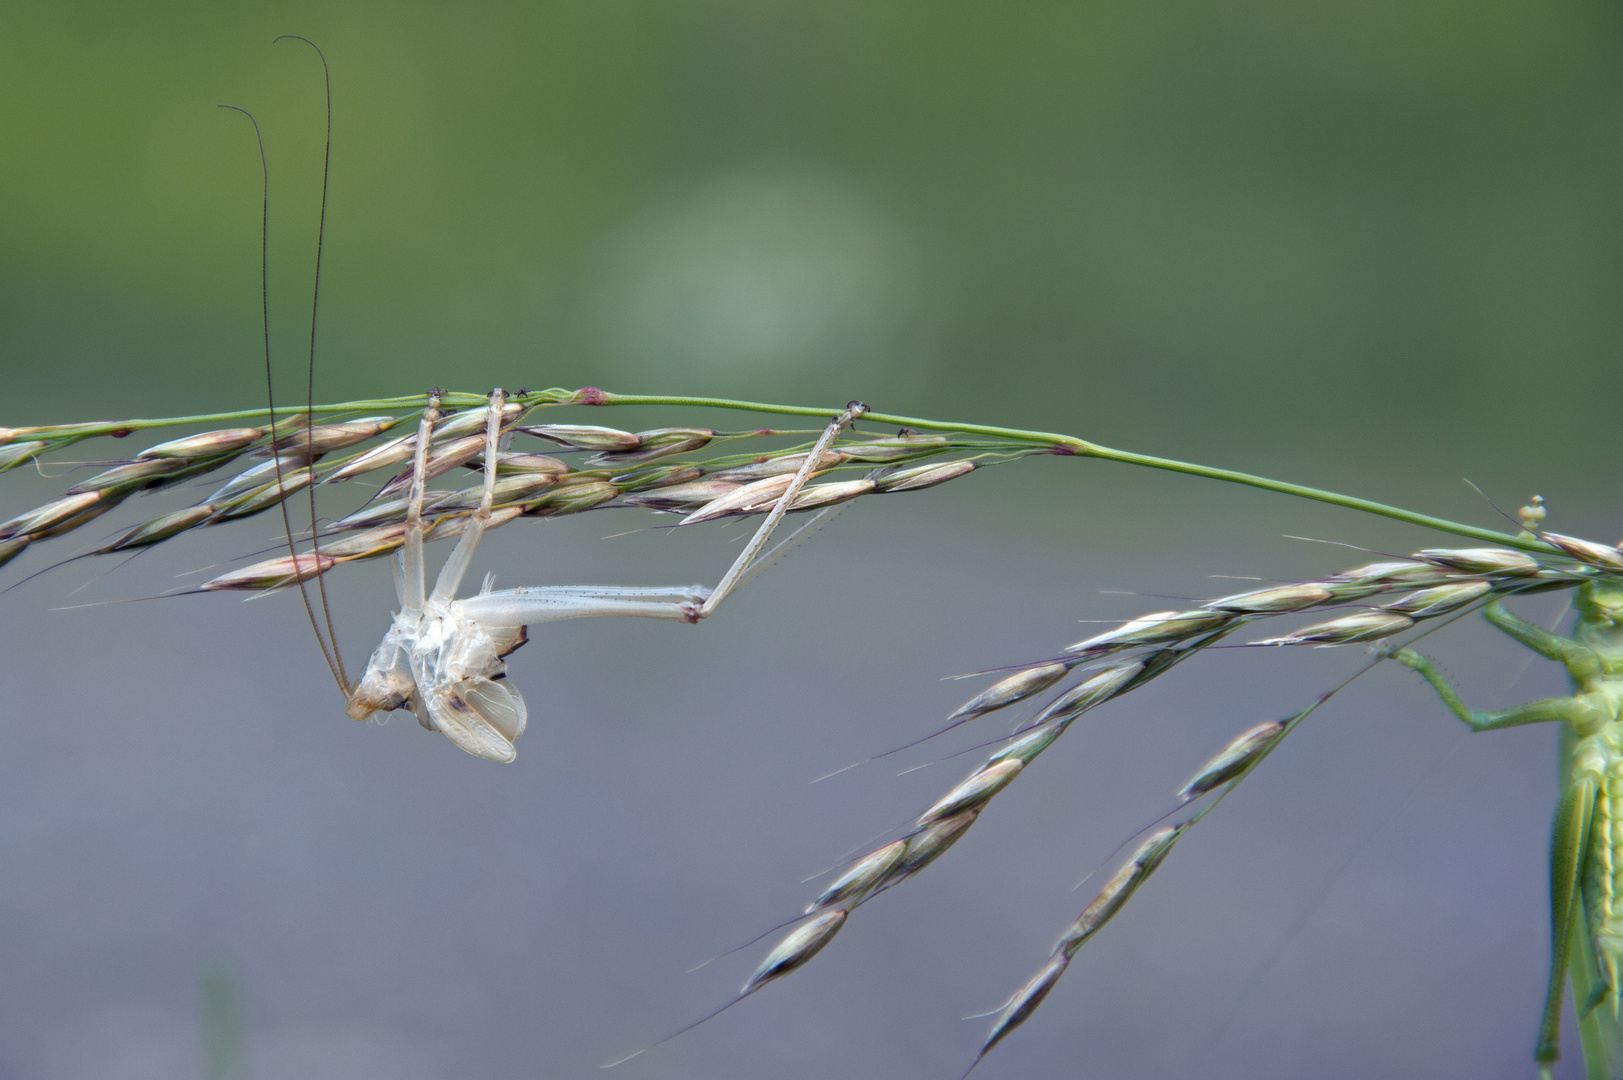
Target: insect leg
x,y
1569,709
1569,842
451,573
1548,645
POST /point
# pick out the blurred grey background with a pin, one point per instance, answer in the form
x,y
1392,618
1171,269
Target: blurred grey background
x,y
1375,248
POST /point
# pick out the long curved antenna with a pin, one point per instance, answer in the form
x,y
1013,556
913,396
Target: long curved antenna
x,y
315,310
270,389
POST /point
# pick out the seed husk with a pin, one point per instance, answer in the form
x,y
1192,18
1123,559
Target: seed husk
x,y
368,544
441,459
1586,550
691,495
809,498
776,466
923,476
1439,599
1232,760
584,436
657,477
1032,743
739,500
17,453
1267,601
130,476
860,880
456,425
799,946
1154,629
656,444
379,457
1017,687
325,438
1119,889
975,790
572,499
52,513
508,489
265,496
1365,626
894,448
929,844
205,444
10,549
272,573
160,528
388,510
522,463
1025,1001
1484,560
1092,691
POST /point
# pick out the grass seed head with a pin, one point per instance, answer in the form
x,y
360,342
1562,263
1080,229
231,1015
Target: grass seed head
x,y
1586,550
1158,628
517,464
263,497
131,476
1364,626
1485,560
1017,687
739,500
809,498
441,459
1032,743
657,477
508,489
205,444
923,476
572,499
390,453
52,513
1234,759
456,425
17,453
929,844
776,466
272,573
1119,889
1025,1001
1092,691
799,946
894,448
975,790
1269,601
325,438
160,528
584,436
685,496
10,549
860,880
1438,600
367,545
656,444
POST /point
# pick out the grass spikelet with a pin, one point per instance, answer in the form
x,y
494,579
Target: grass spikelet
x,y
205,444
1017,687
271,574
850,887
1365,626
798,947
925,476
584,436
975,790
1158,628
1232,760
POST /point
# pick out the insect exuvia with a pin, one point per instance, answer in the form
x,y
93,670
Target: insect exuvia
x,y
443,656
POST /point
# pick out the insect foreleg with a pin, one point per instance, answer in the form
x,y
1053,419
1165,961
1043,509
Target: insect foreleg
x,y
1572,710
1548,645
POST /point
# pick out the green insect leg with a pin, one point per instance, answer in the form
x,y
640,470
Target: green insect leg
x,y
1534,712
1569,842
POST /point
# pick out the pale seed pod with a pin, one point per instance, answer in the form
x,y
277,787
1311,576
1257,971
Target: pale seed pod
x,y
776,466
1234,759
584,436
1092,691
108,500
923,476
508,489
1158,628
1437,600
810,498
791,954
205,444
52,513
131,476
516,464
1119,889
657,477
265,496
1396,572
572,499
18,453
441,459
1365,626
456,425
10,549
1025,1001
1031,743
1017,687
739,500
691,495
850,887
1586,550
160,528
894,448
929,844
975,790
1268,601
379,512
455,524
252,479
325,438
656,444
379,457
272,573
367,545
1484,560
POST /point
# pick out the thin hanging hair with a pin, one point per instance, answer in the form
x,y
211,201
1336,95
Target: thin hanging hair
x,y
270,388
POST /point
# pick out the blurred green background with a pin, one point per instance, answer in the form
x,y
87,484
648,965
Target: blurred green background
x,y
1366,231
1376,247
